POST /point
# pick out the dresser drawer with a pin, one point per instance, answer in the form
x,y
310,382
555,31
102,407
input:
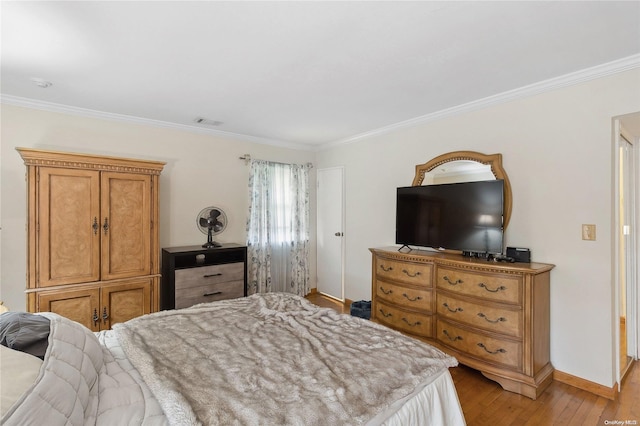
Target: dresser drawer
x,y
490,318
495,287
406,272
206,275
209,293
411,322
412,298
492,350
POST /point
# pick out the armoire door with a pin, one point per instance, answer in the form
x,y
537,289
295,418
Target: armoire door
x,y
125,225
68,234
78,305
124,301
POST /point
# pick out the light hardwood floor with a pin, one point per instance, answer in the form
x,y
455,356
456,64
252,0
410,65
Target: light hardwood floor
x,y
484,402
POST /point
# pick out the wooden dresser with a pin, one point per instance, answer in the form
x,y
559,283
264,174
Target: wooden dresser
x,y
491,316
93,252
192,274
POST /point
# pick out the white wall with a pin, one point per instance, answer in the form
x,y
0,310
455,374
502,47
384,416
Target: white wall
x,y
557,151
201,170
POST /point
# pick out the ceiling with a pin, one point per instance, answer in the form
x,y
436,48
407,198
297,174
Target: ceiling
x,y
301,74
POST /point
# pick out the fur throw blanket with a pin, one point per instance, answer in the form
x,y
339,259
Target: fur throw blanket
x,y
274,359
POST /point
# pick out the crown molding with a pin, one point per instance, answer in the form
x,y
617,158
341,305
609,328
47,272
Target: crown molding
x,y
90,113
614,67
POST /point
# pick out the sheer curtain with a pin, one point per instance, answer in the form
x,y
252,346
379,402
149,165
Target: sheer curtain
x,y
278,228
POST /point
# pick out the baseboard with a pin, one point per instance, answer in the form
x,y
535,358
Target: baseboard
x,y
586,385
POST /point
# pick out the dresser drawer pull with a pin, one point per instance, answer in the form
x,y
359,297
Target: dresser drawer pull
x,y
456,282
410,324
501,319
453,339
452,310
417,274
213,293
385,291
390,268
415,299
501,351
212,275
501,288
384,314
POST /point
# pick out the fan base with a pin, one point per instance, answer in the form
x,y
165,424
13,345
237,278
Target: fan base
x,y
211,244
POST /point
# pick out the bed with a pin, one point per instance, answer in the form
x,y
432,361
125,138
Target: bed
x,y
260,360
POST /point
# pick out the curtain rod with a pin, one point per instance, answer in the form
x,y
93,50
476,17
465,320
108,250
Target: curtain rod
x,y
247,159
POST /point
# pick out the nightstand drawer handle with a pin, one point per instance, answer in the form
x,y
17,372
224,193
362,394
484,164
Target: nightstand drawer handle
x,y
390,268
452,310
501,319
385,291
212,275
412,299
213,293
95,317
501,288
105,315
456,282
384,314
409,274
410,324
502,351
453,339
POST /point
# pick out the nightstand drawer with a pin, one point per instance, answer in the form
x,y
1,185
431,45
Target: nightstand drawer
x,y
209,293
206,275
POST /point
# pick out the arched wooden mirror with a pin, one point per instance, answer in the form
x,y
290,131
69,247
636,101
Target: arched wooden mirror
x,y
465,166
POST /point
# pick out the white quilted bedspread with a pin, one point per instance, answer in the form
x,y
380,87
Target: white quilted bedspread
x,y
82,383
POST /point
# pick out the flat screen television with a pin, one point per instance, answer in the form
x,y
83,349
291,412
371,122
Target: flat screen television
x,y
458,216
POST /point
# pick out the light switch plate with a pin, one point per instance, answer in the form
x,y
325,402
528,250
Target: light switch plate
x,y
589,232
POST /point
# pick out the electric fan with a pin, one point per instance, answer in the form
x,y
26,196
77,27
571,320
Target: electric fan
x,y
211,221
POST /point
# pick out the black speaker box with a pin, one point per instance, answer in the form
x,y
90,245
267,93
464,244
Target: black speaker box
x,y
519,254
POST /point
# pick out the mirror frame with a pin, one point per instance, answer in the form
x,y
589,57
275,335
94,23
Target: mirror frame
x,y
492,160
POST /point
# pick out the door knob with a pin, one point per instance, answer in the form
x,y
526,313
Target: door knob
x,y
338,234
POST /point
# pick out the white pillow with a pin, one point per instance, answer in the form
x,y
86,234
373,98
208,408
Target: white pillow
x,y
18,371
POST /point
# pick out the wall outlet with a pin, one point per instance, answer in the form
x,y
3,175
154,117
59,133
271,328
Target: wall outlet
x,y
589,232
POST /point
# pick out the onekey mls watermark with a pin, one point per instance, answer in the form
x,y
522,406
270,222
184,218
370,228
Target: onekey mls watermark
x,y
620,422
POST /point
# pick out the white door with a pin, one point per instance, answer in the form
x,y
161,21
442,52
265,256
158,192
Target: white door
x,y
330,230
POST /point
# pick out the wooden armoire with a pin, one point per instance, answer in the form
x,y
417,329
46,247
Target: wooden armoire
x,y
93,254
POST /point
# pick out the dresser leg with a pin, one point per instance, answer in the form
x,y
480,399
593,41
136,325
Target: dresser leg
x,y
532,390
